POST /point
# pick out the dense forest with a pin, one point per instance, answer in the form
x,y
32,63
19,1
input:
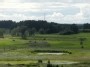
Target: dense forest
x,y
30,27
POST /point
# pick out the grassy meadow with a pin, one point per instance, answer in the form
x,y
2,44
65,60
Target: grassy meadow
x,y
14,50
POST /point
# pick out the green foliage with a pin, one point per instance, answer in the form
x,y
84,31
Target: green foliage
x,y
7,24
66,32
86,26
2,33
74,28
22,31
15,31
48,27
42,31
40,61
31,31
81,42
49,64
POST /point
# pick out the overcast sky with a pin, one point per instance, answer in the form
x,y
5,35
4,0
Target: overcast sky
x,y
60,11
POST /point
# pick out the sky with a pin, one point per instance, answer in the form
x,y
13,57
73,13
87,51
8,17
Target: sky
x,y
59,11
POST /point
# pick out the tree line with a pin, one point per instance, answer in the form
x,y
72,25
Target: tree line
x,y
30,27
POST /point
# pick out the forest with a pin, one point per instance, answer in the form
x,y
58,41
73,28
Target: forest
x,y
30,27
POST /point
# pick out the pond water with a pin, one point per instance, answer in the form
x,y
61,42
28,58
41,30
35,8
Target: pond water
x,y
57,62
63,62
54,62
51,53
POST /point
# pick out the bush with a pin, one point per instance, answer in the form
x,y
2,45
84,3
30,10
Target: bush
x,y
49,64
66,32
39,61
86,30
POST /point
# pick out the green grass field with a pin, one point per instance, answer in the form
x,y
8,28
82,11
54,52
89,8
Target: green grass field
x,y
18,50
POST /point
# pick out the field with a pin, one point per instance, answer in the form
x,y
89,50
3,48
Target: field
x,y
16,51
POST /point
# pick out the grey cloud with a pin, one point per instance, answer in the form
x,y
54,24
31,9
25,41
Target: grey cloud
x,y
1,0
86,12
39,12
61,1
45,0
70,10
61,11
81,1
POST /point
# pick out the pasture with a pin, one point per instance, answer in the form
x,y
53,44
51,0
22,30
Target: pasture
x,y
14,50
